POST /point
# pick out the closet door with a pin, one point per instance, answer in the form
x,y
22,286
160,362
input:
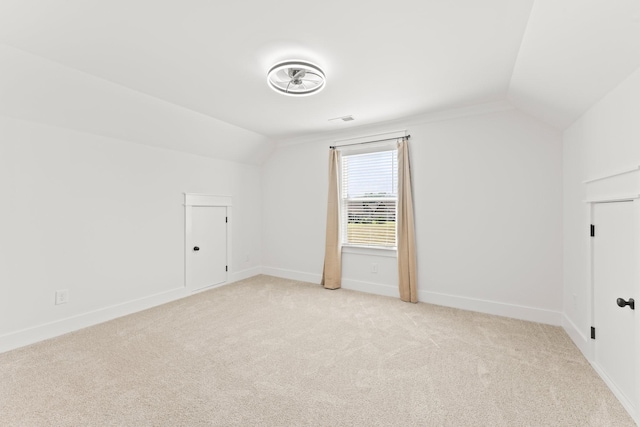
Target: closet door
x,y
207,247
615,261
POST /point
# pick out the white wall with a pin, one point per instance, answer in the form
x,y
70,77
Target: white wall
x,y
488,200
604,140
103,218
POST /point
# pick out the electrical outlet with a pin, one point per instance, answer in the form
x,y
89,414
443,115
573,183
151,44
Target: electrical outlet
x,y
374,267
575,301
62,296
246,258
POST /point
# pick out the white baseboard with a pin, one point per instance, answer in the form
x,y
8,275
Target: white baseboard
x,y
579,338
583,342
371,288
208,288
471,304
354,285
616,391
45,331
236,276
53,329
514,311
292,274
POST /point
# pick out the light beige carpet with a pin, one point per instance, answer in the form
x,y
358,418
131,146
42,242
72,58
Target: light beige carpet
x,y
274,352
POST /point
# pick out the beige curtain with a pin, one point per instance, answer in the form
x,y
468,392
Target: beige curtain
x,y
407,280
332,272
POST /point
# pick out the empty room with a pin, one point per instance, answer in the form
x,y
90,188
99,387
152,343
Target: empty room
x,y
344,213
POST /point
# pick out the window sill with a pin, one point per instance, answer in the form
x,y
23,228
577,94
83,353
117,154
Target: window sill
x,y
370,250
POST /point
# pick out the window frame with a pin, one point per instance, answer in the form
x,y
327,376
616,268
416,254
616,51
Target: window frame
x,y
374,147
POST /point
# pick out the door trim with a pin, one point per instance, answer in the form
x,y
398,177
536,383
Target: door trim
x,y
633,408
199,199
192,200
618,186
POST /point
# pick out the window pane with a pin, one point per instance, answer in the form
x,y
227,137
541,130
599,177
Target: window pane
x,y
369,196
371,174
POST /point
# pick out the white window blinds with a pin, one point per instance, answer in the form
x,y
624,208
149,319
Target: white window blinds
x,y
369,197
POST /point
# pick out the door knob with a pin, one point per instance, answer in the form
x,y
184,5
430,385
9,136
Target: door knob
x,y
196,249
631,303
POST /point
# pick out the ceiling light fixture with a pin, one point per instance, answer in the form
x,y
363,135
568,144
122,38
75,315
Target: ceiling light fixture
x,y
296,78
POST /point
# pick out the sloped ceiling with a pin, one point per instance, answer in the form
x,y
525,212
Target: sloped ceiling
x,y
572,54
191,75
46,92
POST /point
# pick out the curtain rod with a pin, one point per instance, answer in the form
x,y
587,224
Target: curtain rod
x,y
369,142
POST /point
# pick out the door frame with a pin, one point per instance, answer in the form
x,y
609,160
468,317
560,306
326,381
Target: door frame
x,y
622,185
633,408
192,200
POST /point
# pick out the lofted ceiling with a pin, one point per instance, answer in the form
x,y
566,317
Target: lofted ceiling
x,y
139,69
572,54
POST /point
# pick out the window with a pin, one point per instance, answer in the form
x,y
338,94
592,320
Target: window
x,y
369,187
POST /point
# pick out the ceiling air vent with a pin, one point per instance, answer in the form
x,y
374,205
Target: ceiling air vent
x,y
343,118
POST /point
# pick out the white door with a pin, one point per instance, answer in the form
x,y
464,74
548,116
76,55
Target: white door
x,y
615,259
207,247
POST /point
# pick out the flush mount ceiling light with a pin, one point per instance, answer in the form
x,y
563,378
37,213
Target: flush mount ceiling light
x,y
296,78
